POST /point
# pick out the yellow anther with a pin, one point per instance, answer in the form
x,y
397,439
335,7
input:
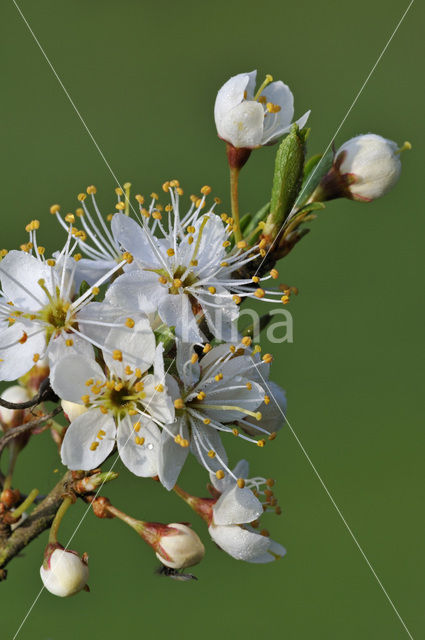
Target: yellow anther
x,y
94,446
262,100
267,357
193,263
129,323
232,348
206,190
77,257
110,384
235,431
54,208
139,440
128,370
193,198
178,439
69,342
137,425
70,218
119,191
211,453
168,208
207,348
132,412
262,244
101,434
246,340
273,435
178,403
249,386
24,337
120,206
118,386
266,399
261,443
284,299
190,239
191,229
127,257
139,386
237,299
200,203
255,279
138,372
154,195
224,264
201,395
95,291
85,399
263,253
79,212
218,377
162,280
217,200
273,108
117,355
170,252
140,199
184,443
91,189
179,191
177,283
159,388
166,186
194,358
257,349
241,244
219,474
81,197
274,274
258,415
89,382
226,243
240,482
212,290
259,293
206,421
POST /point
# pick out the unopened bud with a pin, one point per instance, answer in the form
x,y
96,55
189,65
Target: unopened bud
x,y
64,572
10,418
180,547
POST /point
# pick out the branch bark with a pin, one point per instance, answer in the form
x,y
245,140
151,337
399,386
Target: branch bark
x,y
17,431
39,520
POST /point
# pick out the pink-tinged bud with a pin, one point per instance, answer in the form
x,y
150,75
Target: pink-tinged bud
x,y
179,547
35,376
72,410
10,418
64,572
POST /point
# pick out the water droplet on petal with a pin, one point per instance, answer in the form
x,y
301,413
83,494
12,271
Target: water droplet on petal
x,y
150,446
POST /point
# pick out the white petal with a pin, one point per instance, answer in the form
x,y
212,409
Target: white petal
x,y
176,311
280,94
137,346
171,455
211,250
231,94
68,378
238,542
20,273
158,403
241,470
274,552
17,359
141,459
133,238
81,433
221,321
237,506
272,413
243,125
92,270
189,372
58,348
137,290
226,398
205,438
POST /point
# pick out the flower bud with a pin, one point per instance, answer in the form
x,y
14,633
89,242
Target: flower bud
x,y
72,410
180,547
13,417
64,572
364,168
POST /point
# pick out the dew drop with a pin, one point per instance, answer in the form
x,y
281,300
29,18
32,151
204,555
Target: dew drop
x,y
150,446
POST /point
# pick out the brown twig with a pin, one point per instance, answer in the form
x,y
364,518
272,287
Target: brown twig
x,y
23,428
45,394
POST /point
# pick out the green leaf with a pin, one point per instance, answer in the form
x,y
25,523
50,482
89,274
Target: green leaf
x,y
84,286
166,335
288,175
315,168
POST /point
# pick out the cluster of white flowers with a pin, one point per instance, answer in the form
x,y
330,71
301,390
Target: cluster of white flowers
x,y
135,322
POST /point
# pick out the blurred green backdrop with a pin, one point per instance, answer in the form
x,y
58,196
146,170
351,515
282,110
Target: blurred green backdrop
x,y
144,75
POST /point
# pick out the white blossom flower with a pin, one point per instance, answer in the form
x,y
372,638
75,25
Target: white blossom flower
x,y
64,573
248,120
45,316
13,417
124,406
179,546
371,164
236,507
212,394
188,271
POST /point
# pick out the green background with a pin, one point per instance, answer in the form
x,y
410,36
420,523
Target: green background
x,y
144,76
